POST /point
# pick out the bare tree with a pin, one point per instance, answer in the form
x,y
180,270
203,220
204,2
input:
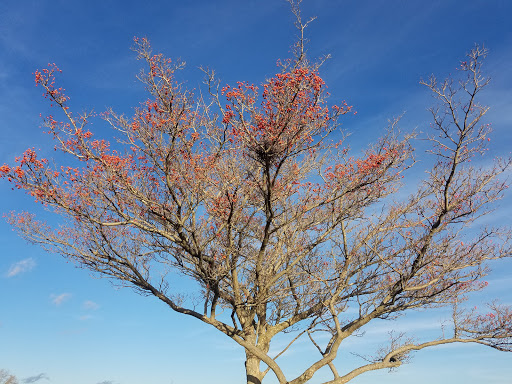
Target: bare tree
x,y
7,378
282,229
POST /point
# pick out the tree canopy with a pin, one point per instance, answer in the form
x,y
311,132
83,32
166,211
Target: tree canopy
x,y
253,193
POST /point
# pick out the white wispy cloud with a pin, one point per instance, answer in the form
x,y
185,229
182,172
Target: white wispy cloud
x,y
21,267
90,305
59,299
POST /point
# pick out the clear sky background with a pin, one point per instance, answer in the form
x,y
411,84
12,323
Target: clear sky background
x,y
59,325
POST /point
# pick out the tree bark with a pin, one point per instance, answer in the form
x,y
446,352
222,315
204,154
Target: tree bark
x,y
252,369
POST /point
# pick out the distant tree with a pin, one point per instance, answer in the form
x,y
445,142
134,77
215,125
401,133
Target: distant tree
x,y
283,231
7,378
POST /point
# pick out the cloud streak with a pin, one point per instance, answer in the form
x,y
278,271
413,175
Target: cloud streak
x,y
33,379
59,299
21,267
90,305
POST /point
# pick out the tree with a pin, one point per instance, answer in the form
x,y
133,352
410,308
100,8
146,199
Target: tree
x,y
283,231
7,378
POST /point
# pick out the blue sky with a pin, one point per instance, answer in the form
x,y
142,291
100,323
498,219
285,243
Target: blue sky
x,y
59,325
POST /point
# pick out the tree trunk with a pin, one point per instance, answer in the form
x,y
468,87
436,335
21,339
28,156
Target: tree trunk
x,y
252,369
